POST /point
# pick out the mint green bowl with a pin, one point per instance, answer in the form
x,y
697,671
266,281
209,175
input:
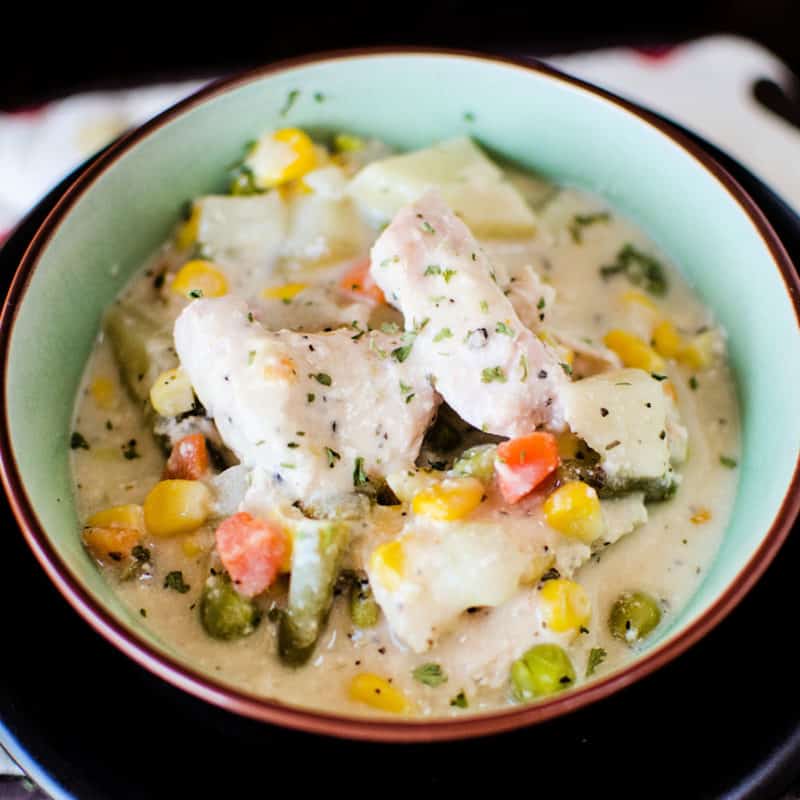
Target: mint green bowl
x,y
122,207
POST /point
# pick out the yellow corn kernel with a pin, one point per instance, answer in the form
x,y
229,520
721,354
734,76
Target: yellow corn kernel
x,y
406,483
453,498
200,279
102,391
565,605
127,516
574,510
701,516
176,506
171,393
293,189
192,547
285,292
635,297
699,353
186,235
378,693
633,351
347,143
387,563
282,156
666,340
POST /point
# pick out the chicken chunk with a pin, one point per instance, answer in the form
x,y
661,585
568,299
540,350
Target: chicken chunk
x,y
489,367
317,414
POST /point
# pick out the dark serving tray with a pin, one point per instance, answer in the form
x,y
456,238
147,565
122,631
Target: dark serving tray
x,y
84,721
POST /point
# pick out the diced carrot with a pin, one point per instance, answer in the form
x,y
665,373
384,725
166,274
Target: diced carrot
x,y
188,460
522,464
110,543
252,551
359,281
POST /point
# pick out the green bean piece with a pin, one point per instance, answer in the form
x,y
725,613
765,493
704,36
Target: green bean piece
x,y
364,611
477,462
316,556
225,613
543,670
634,616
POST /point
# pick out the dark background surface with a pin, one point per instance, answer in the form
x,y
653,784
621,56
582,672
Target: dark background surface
x,y
40,58
712,724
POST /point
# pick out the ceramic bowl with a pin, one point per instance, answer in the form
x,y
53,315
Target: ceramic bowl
x,y
118,211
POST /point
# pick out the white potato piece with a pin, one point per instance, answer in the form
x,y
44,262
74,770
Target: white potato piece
x,y
312,411
470,182
489,367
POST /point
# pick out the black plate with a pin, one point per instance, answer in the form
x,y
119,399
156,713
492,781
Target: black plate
x,y
723,720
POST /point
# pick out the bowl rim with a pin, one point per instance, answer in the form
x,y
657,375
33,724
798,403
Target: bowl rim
x,y
269,710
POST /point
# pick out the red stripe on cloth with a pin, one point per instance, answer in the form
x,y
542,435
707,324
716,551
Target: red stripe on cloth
x,y
660,52
28,112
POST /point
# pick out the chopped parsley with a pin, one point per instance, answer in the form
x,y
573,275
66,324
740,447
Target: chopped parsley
x,y
444,333
400,354
293,445
430,674
469,116
501,327
141,554
491,374
656,377
319,97
581,221
174,580
566,367
484,307
390,327
427,227
311,397
640,268
693,383
404,388
727,461
540,304
322,377
291,99
129,450
432,269
447,274
249,316
410,397
359,476
195,293
597,655
333,457
78,441
460,700
523,365
251,357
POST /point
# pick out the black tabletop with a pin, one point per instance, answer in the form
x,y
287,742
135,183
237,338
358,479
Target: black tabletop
x,y
723,720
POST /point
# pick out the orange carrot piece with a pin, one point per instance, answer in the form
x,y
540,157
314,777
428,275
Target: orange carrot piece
x,y
188,460
252,551
359,281
522,464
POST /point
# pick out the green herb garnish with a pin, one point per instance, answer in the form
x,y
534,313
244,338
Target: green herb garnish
x,y
447,274
693,384
174,580
427,227
597,655
491,374
566,367
640,268
523,365
333,457
291,99
78,441
727,461
460,700
501,327
432,269
430,674
359,476
195,293
540,304
444,333
322,377
484,307
581,221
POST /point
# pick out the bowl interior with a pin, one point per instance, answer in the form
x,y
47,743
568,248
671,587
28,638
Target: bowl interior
x,y
410,100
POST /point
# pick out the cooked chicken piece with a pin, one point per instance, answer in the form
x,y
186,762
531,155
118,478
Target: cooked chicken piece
x,y
319,414
464,333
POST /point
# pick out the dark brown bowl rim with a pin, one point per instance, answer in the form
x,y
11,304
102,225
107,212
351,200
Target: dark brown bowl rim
x,y
272,711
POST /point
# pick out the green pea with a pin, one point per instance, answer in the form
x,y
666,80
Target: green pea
x,y
542,670
477,462
634,616
364,611
225,614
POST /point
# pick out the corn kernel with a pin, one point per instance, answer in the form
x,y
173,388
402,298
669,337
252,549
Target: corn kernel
x,y
387,563
635,297
378,693
110,544
453,498
282,156
285,292
701,516
633,351
127,516
102,391
200,279
192,547
574,510
176,506
699,353
565,605
666,340
407,483
171,393
294,189
186,235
